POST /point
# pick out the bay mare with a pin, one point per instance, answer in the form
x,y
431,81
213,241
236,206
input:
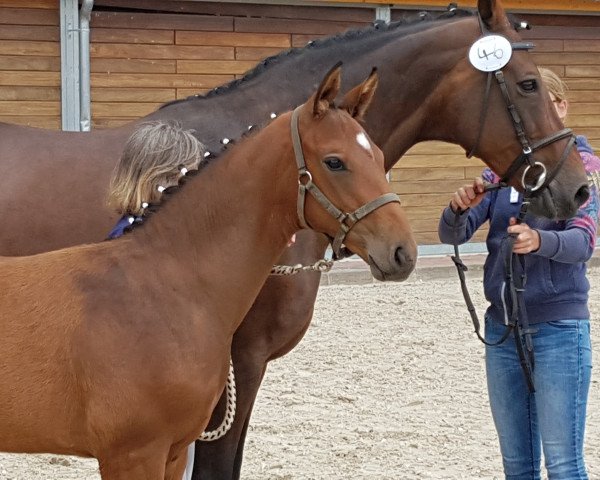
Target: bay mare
x,y
119,350
55,182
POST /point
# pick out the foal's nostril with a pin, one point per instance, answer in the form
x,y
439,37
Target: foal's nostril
x,y
399,256
582,195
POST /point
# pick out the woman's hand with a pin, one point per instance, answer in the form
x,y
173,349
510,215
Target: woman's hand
x,y
527,239
468,196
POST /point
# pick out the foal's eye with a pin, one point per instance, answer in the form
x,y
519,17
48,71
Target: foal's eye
x,y
334,164
529,86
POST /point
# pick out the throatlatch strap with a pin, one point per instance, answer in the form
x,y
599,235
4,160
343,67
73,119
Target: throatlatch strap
x,y
482,115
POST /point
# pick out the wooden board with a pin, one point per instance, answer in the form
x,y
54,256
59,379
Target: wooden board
x,y
524,5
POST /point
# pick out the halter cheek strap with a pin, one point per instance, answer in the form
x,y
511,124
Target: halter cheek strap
x,y
305,184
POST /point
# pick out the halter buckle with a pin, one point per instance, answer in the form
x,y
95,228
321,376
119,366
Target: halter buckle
x,y
304,174
527,150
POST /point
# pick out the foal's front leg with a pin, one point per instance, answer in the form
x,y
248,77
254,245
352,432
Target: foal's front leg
x,y
175,467
146,463
274,325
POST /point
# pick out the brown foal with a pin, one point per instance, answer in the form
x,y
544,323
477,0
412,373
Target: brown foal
x,y
120,350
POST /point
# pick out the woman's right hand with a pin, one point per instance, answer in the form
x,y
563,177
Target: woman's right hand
x,y
468,196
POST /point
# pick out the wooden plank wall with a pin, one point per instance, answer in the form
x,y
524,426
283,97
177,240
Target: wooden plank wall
x,y
149,52
143,58
30,63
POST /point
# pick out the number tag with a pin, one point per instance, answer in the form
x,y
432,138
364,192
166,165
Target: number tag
x,y
490,53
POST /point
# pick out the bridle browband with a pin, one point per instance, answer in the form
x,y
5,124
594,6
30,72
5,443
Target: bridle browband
x,y
516,319
305,184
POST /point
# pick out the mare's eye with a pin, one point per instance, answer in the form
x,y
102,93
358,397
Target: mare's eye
x,y
529,86
334,164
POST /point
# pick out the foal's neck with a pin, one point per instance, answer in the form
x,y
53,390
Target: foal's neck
x,y
231,222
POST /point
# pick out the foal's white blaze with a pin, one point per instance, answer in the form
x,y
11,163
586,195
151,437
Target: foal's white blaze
x,y
363,141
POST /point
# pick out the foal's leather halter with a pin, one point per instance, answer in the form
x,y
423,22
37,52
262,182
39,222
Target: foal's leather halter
x,y
305,183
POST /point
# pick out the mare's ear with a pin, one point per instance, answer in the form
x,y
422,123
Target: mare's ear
x,y
491,13
327,91
357,101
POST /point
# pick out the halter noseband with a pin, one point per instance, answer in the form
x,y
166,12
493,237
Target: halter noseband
x,y
528,147
305,183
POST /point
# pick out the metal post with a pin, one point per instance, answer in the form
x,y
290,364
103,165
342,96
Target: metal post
x,y
69,59
85,120
383,13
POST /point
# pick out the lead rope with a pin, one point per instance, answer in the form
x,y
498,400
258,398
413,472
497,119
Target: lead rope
x,y
322,266
225,426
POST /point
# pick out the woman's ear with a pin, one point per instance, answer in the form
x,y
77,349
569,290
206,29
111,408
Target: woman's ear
x,y
562,108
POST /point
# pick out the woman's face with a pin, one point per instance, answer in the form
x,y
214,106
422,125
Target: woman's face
x,y
561,106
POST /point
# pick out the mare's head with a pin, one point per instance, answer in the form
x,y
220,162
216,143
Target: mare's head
x,y
342,175
495,93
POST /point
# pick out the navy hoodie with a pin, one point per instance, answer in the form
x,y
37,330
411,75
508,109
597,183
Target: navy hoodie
x,y
557,287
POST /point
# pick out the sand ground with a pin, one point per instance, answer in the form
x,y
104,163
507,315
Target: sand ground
x,y
387,384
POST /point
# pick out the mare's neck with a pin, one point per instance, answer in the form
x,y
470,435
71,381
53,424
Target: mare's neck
x,y
229,224
416,111
411,65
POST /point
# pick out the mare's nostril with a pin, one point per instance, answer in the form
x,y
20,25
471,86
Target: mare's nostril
x,y
582,195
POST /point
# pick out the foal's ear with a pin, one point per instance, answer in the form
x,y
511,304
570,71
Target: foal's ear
x,y
491,12
357,101
327,91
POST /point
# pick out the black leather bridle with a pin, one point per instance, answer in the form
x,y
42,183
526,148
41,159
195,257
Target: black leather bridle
x,y
516,320
528,147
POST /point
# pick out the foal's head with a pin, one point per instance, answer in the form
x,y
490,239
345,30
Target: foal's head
x,y
348,168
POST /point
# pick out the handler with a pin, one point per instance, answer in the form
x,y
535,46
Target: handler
x,y
556,300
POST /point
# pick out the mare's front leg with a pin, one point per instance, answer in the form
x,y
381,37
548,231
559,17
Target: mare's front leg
x,y
274,325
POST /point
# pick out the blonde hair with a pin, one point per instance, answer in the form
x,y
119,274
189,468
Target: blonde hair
x,y
554,84
153,157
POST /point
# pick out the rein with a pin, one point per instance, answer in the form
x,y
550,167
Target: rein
x,y
305,184
516,320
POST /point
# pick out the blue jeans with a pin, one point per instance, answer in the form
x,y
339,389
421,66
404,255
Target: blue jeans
x,y
552,418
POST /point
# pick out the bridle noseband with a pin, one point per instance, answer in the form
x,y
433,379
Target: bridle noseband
x,y
305,183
